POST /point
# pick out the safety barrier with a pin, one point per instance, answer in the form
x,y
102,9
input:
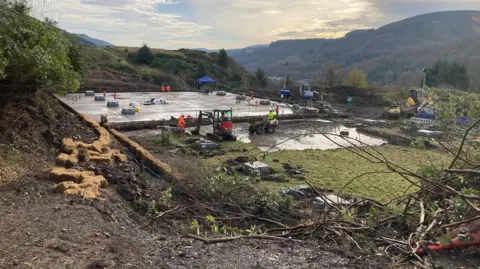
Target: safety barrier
x,y
422,121
146,157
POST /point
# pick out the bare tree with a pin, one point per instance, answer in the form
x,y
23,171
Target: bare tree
x,y
332,74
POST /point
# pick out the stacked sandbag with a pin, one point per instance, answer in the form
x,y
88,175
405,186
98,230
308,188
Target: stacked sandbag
x,y
84,183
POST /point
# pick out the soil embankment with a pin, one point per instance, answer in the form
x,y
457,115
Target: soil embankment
x,y
43,229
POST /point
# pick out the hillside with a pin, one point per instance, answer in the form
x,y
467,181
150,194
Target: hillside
x,y
116,67
404,46
94,41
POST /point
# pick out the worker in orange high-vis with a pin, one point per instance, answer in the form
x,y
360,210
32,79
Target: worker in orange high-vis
x,y
168,88
181,123
163,88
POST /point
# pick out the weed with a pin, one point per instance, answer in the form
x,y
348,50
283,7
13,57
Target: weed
x,y
418,143
195,226
165,140
253,230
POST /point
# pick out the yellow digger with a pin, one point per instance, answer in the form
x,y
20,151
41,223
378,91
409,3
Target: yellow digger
x,y
393,111
409,109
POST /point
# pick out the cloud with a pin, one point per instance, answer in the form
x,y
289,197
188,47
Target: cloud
x,y
106,2
126,22
400,9
227,23
257,24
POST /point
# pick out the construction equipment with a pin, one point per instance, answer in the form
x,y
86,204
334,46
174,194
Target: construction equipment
x,y
222,125
412,104
413,107
264,126
392,112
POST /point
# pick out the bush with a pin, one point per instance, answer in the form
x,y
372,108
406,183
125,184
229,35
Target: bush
x,y
35,54
145,55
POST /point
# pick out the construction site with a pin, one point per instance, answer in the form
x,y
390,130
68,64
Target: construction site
x,y
310,155
127,157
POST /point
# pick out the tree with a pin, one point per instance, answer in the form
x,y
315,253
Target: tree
x,y
357,78
332,74
389,77
446,73
223,58
290,83
236,77
260,78
201,71
145,55
33,54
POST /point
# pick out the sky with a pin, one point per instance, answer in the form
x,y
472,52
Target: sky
x,y
214,24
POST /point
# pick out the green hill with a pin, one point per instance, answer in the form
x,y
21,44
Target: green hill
x,y
387,53
118,67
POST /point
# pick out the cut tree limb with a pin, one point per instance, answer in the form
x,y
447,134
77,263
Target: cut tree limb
x,y
228,239
463,171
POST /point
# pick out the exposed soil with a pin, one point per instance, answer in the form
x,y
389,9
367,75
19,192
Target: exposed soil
x,y
42,230
100,80
30,139
46,230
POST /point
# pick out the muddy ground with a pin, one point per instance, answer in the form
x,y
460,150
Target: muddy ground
x,y
41,229
45,230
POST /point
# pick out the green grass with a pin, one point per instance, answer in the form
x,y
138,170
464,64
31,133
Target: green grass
x,y
333,169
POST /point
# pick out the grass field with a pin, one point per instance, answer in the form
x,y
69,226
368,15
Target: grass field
x,y
333,169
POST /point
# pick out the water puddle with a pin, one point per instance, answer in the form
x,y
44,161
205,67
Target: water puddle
x,y
292,135
302,139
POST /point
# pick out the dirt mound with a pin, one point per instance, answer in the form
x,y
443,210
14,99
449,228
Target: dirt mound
x,y
361,97
31,132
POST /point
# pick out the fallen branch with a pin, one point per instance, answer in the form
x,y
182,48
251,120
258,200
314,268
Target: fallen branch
x,y
228,239
463,171
460,222
159,215
323,197
457,156
290,229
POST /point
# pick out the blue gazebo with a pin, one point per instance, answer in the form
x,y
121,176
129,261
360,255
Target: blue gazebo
x,y
202,81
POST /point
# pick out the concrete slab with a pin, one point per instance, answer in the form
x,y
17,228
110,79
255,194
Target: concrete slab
x,y
178,103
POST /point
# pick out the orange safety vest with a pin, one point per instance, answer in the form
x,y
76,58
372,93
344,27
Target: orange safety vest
x,y
163,88
181,122
168,88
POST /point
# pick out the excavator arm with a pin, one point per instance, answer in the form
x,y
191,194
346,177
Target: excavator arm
x,y
201,114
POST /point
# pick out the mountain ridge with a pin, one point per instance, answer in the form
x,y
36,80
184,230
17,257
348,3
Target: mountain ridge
x,y
94,41
372,49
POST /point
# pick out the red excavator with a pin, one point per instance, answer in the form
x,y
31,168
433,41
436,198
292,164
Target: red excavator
x,y
222,125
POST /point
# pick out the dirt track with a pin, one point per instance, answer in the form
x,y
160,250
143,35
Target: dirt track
x,y
45,230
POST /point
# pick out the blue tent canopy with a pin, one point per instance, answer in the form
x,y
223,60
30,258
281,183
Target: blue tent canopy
x,y
205,79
